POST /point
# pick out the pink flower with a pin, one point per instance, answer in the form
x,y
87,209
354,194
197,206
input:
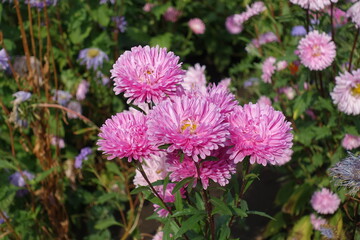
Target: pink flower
x,y
195,79
154,168
82,90
346,93
317,222
264,100
148,6
281,65
172,14
255,9
325,202
268,69
197,25
159,236
317,51
261,40
353,13
219,170
232,25
258,131
222,98
289,92
285,158
56,141
125,135
76,107
350,142
313,4
167,197
147,74
339,16
191,124
225,82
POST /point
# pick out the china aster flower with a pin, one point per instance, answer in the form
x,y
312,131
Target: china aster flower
x,y
83,155
317,51
353,13
82,90
93,58
313,4
339,16
125,135
191,124
281,65
232,25
264,100
317,222
221,97
120,23
62,97
288,91
148,6
325,202
76,107
255,9
346,173
17,179
268,69
258,131
147,74
172,14
225,82
220,170
4,60
154,169
197,25
261,40
350,142
298,31
346,93
195,79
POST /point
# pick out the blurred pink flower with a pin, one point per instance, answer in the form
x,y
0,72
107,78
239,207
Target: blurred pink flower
x,y
313,4
258,131
350,142
125,135
317,51
155,170
158,236
191,124
339,16
197,25
233,26
325,202
195,79
268,69
353,13
148,6
225,82
56,141
167,197
281,65
289,92
261,40
255,9
346,93
147,74
82,90
264,100
317,222
172,14
76,107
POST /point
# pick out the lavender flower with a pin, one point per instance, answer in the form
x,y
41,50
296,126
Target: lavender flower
x,y
120,23
84,153
17,180
298,31
21,96
250,82
62,97
76,107
3,220
346,173
93,58
104,79
327,232
4,64
56,141
40,3
82,90
105,1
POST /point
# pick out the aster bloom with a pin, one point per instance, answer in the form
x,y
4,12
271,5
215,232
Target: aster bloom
x,y
317,222
353,13
339,17
195,79
172,14
120,23
197,25
261,40
255,9
220,170
264,100
56,141
225,82
148,6
62,97
4,60
350,142
268,69
191,124
83,155
125,135
76,107
325,202
346,173
233,26
154,168
289,92
82,90
17,179
313,4
147,74
317,51
167,197
222,98
21,96
298,31
346,93
93,58
281,65
258,131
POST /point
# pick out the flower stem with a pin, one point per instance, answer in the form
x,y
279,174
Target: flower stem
x,y
353,49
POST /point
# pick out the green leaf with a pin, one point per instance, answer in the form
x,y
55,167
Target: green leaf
x,y
103,224
220,207
180,184
302,229
107,197
163,40
189,224
41,176
6,165
139,190
113,168
261,214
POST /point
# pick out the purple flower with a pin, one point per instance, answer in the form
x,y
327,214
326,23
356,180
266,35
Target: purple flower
x,y
56,141
76,107
17,180
84,153
93,58
3,220
105,1
82,90
62,97
120,23
21,96
298,31
4,60
40,3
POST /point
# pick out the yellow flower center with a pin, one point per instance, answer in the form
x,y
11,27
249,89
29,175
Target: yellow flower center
x,y
356,90
316,51
159,171
188,124
92,53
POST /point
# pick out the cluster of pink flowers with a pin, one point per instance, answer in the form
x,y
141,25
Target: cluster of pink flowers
x,y
234,23
261,40
269,67
317,222
325,202
353,13
204,129
313,4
